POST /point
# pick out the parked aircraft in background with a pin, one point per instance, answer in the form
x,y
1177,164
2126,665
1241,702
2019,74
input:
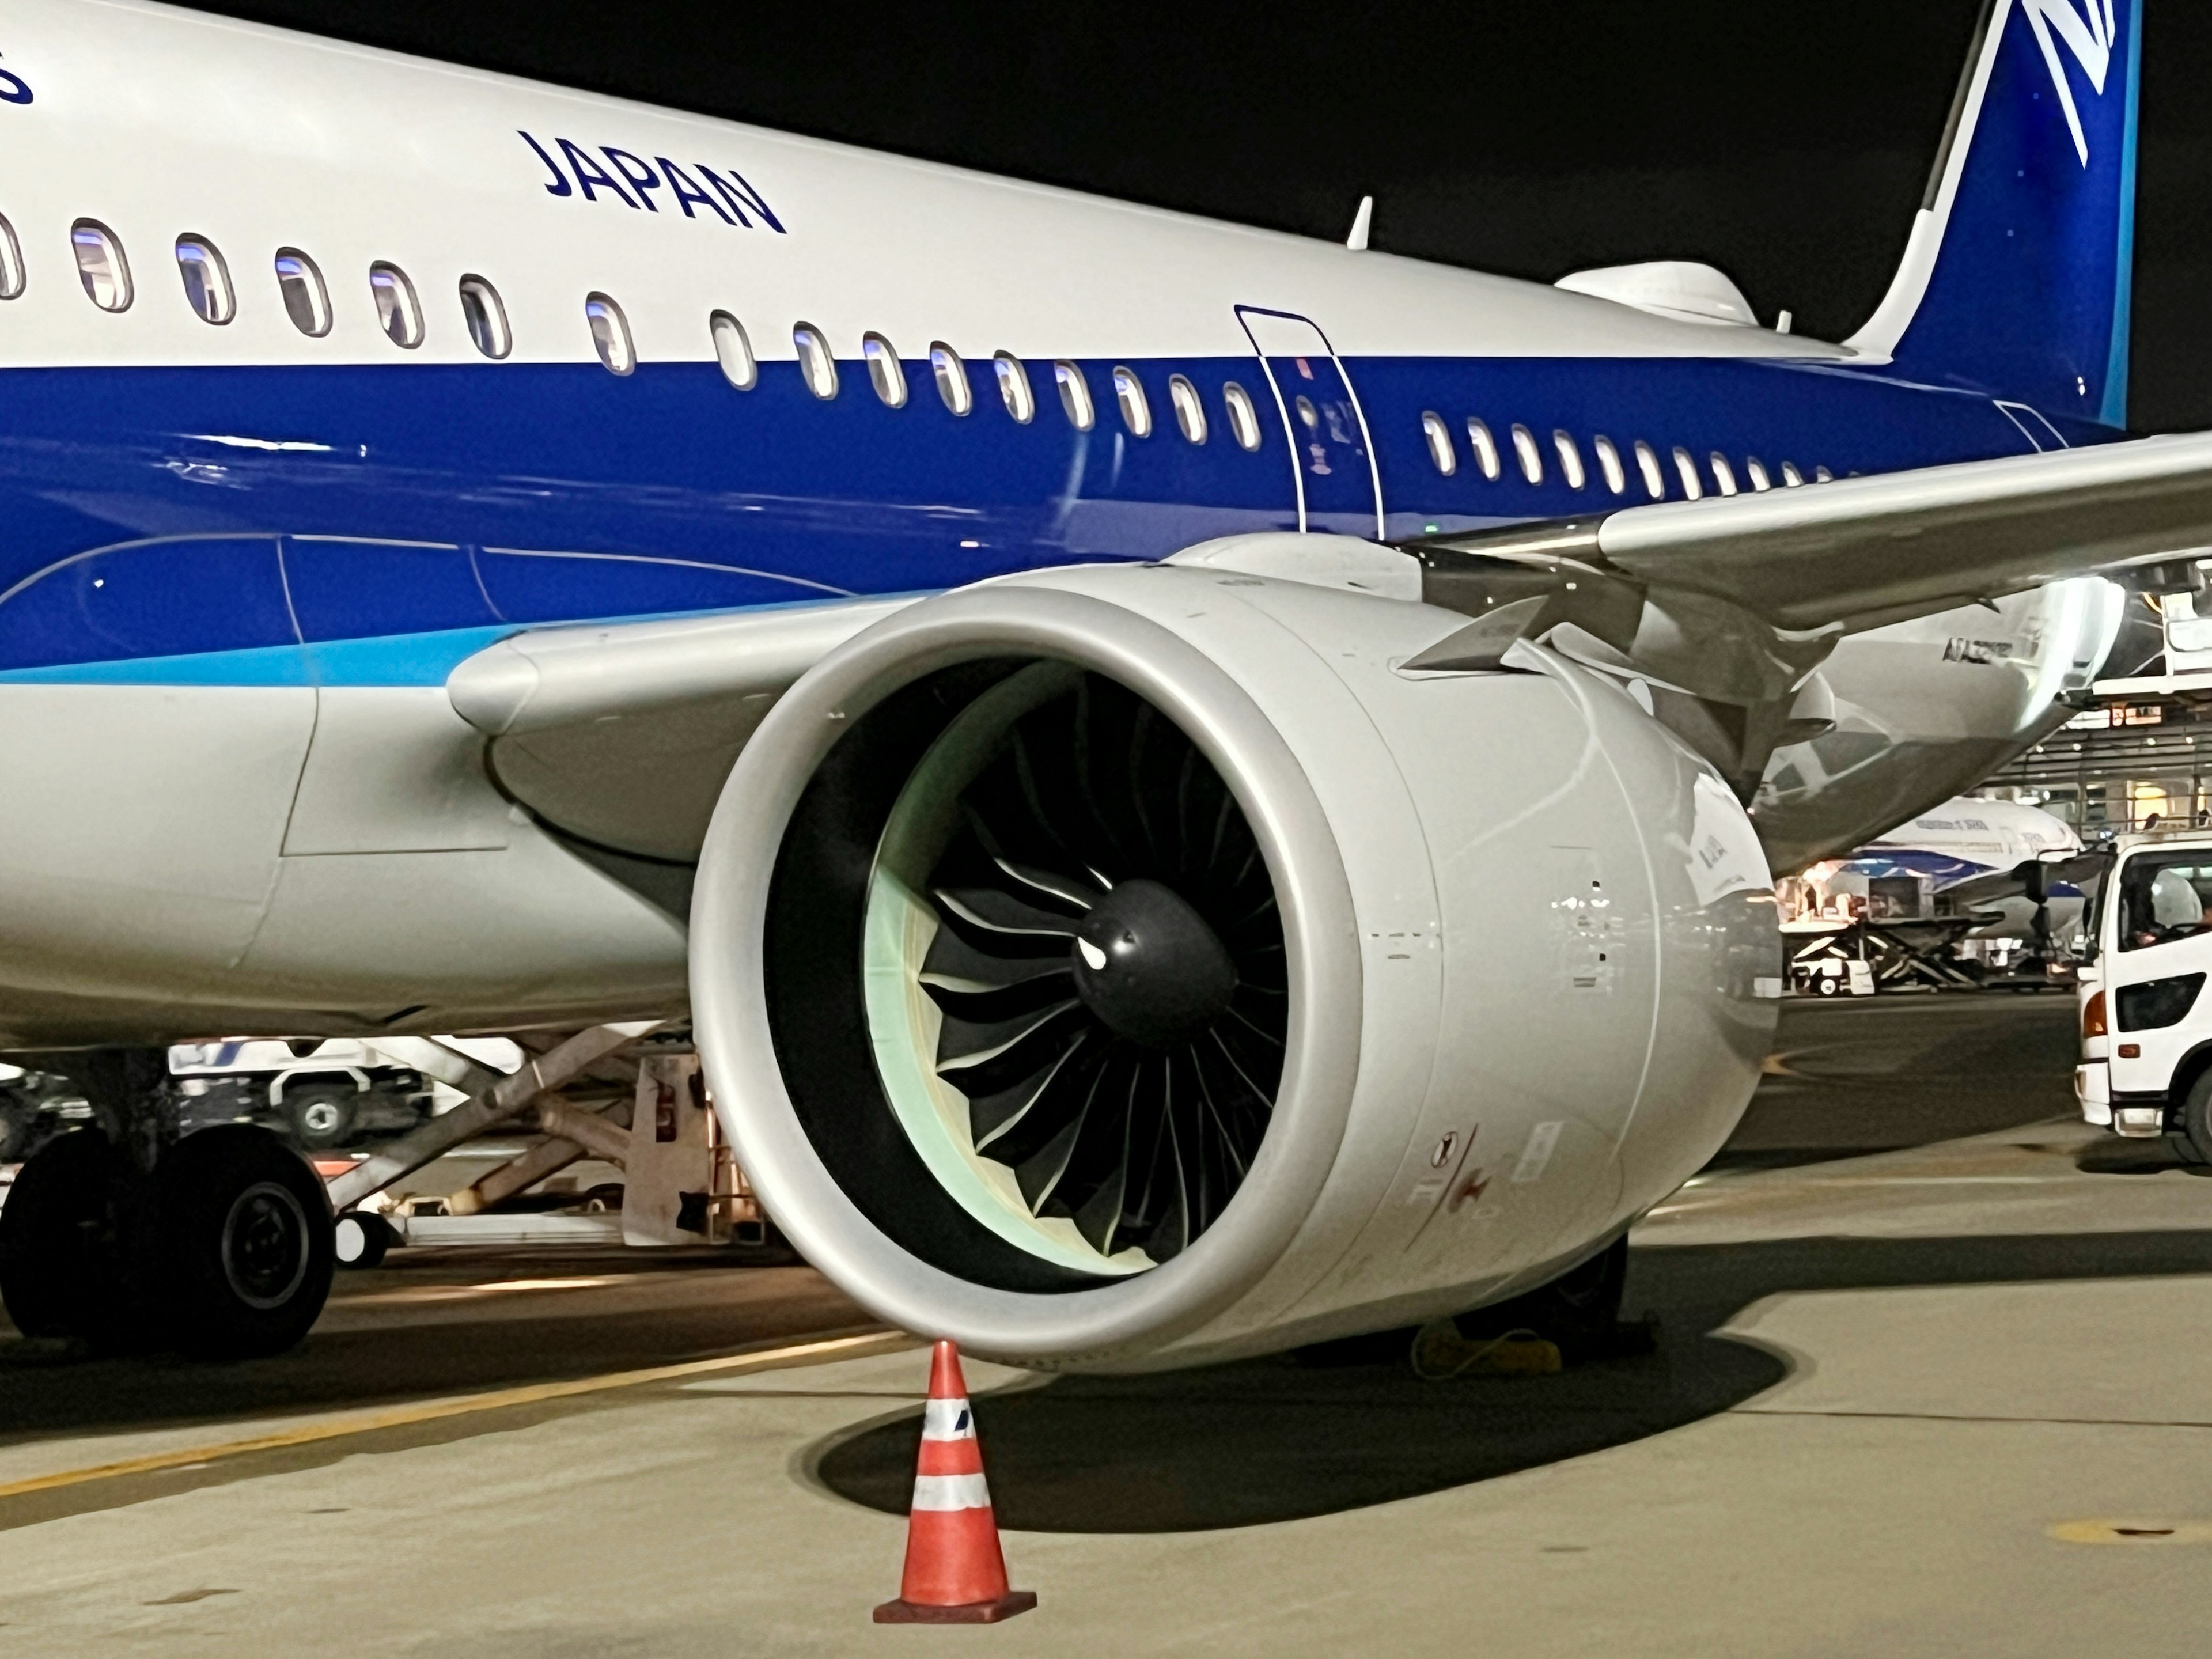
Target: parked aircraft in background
x,y
1937,863
1215,763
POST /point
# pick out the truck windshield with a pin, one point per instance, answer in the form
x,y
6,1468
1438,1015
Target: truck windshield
x,y
2164,896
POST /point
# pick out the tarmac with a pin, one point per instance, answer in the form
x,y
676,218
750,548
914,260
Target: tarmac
x,y
1928,1382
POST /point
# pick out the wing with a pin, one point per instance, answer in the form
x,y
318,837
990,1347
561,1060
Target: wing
x,y
1859,553
621,734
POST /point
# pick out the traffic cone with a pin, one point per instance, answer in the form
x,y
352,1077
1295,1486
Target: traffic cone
x,y
955,1573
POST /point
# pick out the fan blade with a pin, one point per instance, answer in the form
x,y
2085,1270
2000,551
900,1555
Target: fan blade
x,y
1002,913
954,964
961,1045
1039,1174
1079,894
1100,1216
990,1116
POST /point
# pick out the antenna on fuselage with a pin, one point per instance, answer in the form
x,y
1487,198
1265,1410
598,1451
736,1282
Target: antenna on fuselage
x,y
1361,221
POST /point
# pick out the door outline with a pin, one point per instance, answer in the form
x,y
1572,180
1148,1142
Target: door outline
x,y
1283,410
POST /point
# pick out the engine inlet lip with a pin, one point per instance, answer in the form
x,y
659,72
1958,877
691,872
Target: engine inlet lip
x,y
1122,1318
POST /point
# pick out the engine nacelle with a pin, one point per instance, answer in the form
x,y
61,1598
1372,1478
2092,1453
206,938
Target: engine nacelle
x,y
1126,966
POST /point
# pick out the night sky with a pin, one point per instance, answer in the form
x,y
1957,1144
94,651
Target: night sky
x,y
1787,143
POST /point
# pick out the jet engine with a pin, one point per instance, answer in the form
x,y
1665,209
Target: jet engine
x,y
1124,967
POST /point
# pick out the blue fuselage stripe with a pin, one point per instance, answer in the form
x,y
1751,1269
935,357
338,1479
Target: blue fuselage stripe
x,y
151,529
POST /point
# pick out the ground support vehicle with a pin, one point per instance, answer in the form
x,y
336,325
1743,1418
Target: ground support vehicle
x,y
2146,1066
322,1093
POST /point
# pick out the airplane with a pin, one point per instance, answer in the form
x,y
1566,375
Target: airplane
x,y
1191,783
1952,852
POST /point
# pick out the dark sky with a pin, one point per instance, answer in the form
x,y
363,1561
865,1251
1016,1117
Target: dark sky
x,y
1785,141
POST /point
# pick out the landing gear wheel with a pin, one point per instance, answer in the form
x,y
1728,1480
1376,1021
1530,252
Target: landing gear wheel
x,y
321,1118
18,1123
248,1246
361,1239
61,1255
1580,1311
2194,1127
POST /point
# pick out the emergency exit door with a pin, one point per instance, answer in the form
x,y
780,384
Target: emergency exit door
x,y
1339,489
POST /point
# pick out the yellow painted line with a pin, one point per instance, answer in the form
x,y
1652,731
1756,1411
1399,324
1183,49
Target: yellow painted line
x,y
431,1411
2133,1532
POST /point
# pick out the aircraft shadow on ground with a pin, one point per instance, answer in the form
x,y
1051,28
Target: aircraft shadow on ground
x,y
1271,1440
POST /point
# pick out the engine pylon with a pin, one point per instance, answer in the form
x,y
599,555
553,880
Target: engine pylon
x,y
956,1573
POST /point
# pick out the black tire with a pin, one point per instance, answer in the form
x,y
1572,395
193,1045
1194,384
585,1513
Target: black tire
x,y
2195,1124
321,1115
1580,1311
62,1251
2182,1149
247,1249
19,1126
360,1240
1826,986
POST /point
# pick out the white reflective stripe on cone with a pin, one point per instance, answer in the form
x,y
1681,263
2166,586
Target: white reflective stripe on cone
x,y
947,1419
951,1491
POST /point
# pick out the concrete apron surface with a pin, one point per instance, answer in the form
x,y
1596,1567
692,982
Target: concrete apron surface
x,y
1937,1401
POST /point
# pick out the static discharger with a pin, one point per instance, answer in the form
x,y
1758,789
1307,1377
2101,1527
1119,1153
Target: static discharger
x,y
956,1573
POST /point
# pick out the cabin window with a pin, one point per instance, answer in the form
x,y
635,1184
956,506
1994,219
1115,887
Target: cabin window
x,y
1440,443
1821,474
1530,457
1608,462
1723,474
1755,469
307,302
609,334
207,280
1189,411
1074,395
815,362
486,316
11,262
1790,475
886,373
1244,419
1571,459
101,263
397,311
1485,448
733,350
1692,486
952,384
1129,393
1014,386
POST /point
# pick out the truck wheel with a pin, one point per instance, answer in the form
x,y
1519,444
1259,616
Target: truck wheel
x,y
1825,986
321,1117
2196,1125
361,1239
246,1244
61,1255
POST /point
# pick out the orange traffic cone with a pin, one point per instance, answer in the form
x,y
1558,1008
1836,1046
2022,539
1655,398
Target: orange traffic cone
x,y
955,1574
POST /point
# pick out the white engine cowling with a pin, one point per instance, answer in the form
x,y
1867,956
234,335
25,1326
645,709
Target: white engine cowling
x,y
1454,974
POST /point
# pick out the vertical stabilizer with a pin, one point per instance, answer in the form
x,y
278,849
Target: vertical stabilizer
x,y
2017,278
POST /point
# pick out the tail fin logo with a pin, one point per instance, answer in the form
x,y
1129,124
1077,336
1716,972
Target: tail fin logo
x,y
2090,38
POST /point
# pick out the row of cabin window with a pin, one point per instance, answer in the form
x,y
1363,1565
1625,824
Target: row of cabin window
x,y
1529,454
887,375
105,272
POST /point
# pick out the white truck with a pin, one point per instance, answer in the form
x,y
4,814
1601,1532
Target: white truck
x,y
2146,1068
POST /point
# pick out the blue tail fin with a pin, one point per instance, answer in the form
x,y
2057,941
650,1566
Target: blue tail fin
x,y
2017,278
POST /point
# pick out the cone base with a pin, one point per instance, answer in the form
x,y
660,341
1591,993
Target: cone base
x,y
966,1613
